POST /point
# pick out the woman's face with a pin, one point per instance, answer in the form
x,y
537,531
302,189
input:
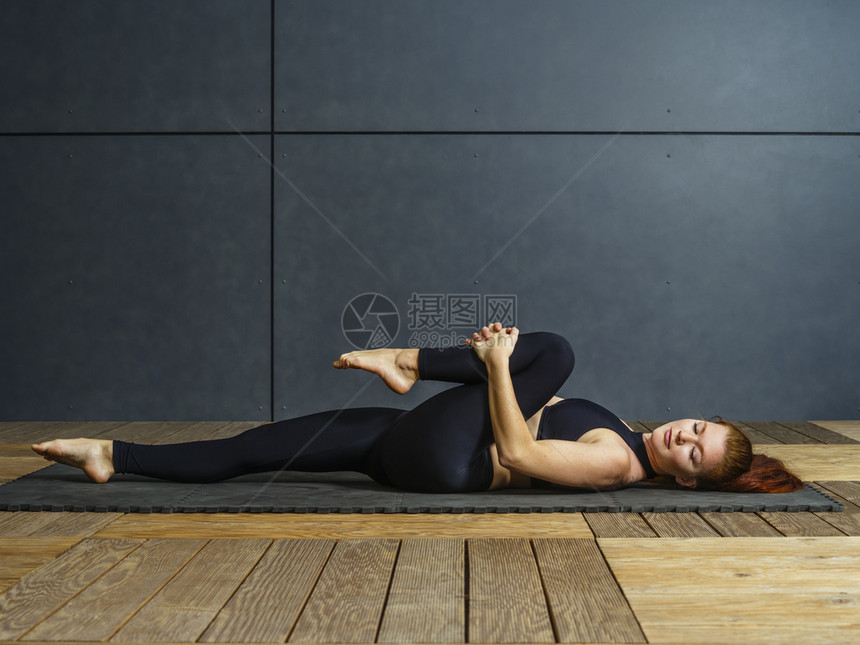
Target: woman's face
x,y
687,448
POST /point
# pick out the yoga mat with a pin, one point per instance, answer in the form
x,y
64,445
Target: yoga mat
x,y
65,488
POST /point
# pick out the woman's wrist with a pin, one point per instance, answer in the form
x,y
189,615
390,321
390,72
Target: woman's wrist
x,y
497,360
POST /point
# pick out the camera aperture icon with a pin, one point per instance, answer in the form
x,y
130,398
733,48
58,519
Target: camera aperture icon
x,y
370,321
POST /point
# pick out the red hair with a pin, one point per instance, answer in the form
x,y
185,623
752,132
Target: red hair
x,y
741,471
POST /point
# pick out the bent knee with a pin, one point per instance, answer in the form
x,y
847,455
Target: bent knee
x,y
560,352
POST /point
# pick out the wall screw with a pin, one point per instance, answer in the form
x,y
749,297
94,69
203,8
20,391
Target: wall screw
x,y
476,109
259,407
70,282
668,110
259,282
668,409
668,156
668,282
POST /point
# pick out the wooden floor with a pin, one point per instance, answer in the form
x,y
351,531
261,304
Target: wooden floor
x,y
443,578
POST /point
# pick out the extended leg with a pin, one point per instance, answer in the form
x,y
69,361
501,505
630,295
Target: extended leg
x,y
322,442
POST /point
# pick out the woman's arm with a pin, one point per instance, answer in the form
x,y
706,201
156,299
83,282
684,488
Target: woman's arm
x,y
568,463
494,346
510,429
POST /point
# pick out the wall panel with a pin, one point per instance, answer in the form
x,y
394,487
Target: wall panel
x,y
135,274
712,274
135,65
560,65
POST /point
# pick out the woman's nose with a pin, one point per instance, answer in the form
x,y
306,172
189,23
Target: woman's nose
x,y
685,435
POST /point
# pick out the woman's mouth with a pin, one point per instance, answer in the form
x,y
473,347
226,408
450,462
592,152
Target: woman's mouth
x,y
668,437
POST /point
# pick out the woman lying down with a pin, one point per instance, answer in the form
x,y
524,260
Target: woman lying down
x,y
503,426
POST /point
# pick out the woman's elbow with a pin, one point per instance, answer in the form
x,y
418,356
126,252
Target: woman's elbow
x,y
513,458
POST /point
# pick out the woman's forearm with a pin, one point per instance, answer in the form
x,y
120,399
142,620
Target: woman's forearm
x,y
509,427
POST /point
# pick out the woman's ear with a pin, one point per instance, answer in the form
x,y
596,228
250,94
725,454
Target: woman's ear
x,y
686,482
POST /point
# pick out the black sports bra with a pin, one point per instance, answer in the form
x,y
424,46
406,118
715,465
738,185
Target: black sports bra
x,y
569,419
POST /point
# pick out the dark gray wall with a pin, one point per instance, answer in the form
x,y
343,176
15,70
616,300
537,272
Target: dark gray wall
x,y
673,186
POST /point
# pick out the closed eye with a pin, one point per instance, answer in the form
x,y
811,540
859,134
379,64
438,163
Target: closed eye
x,y
696,432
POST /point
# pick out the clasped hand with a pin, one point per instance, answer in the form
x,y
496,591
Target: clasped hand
x,y
494,340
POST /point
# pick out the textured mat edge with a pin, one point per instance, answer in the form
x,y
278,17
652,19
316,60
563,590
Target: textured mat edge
x,y
397,504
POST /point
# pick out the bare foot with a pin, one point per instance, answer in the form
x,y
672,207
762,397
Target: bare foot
x,y
398,368
93,456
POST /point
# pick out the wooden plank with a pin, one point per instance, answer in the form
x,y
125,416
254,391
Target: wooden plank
x,y
49,587
847,521
347,602
846,428
849,490
22,523
740,525
671,583
17,460
102,608
199,431
754,435
817,432
780,432
17,450
506,598
800,524
9,434
12,469
75,524
265,608
619,525
426,603
585,601
185,606
146,431
21,555
818,462
786,632
679,525
38,432
233,428
356,525
56,523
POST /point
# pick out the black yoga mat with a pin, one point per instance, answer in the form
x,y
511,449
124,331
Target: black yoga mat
x,y
65,488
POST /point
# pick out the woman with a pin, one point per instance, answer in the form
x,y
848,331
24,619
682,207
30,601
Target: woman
x,y
502,427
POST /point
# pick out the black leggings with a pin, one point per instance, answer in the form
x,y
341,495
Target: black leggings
x,y
442,445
